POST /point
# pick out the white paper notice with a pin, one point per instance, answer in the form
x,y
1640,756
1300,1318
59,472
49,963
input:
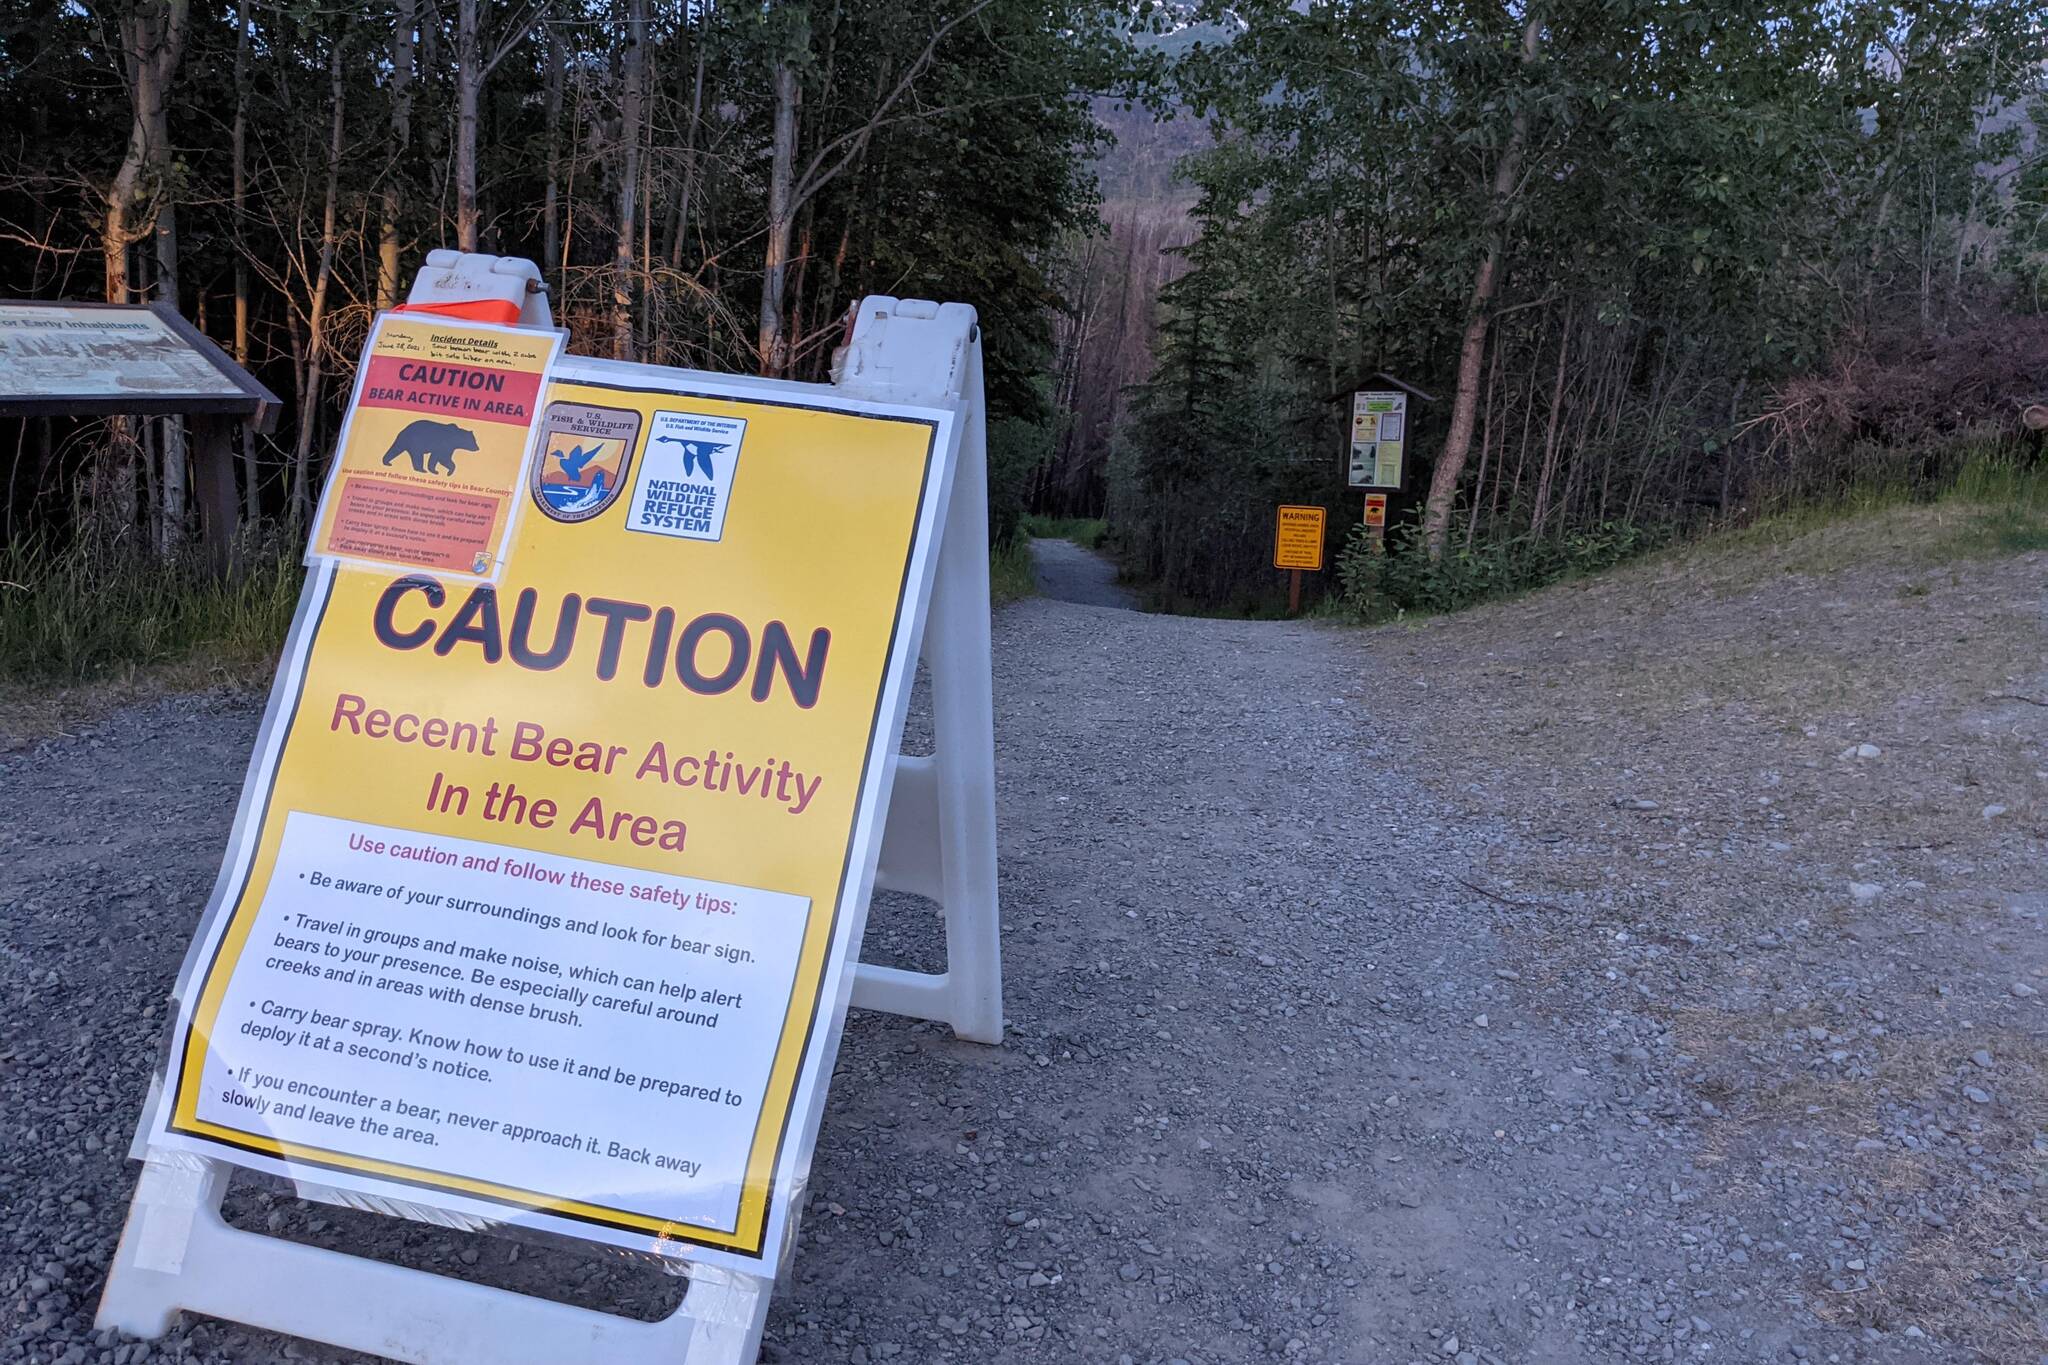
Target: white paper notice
x,y
568,1028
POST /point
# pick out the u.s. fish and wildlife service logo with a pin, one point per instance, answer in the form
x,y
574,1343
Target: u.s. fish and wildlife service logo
x,y
686,475
584,457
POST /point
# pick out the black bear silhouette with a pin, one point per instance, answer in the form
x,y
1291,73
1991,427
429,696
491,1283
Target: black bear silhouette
x,y
431,445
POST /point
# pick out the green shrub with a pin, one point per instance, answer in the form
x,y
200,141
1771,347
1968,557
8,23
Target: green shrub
x,y
1015,448
1403,578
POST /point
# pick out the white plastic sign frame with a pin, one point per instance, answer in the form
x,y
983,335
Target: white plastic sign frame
x,y
178,1254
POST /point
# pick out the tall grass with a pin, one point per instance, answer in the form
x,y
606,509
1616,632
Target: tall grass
x,y
1995,490
2010,494
81,614
1010,575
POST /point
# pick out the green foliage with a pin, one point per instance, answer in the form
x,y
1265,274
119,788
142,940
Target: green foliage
x,y
82,614
1086,532
1010,574
1016,447
1222,434
1402,578
1711,202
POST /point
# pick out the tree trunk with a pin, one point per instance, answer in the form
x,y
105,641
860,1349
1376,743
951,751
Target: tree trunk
x,y
245,435
551,197
171,509
170,531
1450,464
402,23
774,337
1486,448
469,80
624,264
152,41
682,224
1542,512
316,312
115,234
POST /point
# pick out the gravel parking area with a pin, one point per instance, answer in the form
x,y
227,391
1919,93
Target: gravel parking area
x,y
1354,1017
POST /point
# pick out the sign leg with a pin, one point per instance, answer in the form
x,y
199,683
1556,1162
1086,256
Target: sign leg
x,y
940,840
960,650
213,470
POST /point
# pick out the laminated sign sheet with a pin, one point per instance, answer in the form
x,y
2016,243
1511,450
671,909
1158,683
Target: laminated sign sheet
x,y
542,902
436,446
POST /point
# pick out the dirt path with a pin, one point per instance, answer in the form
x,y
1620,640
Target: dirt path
x,y
1068,573
1294,1072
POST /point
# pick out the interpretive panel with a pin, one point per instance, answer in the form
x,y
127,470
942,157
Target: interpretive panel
x,y
1379,439
88,352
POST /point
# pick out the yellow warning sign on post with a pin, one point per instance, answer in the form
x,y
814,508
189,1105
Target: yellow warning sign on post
x,y
530,911
1298,538
435,445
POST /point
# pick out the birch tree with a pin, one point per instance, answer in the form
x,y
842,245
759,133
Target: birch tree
x,y
1505,191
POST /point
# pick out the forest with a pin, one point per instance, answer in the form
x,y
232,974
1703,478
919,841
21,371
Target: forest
x,y
1659,264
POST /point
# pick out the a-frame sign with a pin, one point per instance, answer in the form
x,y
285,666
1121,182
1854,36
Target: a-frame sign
x,y
545,896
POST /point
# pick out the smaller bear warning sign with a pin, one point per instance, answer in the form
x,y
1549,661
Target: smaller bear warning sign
x,y
435,446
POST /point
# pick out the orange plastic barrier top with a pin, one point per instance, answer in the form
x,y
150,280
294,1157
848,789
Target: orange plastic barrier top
x,y
474,310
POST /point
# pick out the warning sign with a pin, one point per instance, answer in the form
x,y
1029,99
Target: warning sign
x,y
435,447
1298,538
1375,509
538,902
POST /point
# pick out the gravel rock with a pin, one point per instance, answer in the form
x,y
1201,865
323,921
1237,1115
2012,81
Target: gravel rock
x,y
1236,1107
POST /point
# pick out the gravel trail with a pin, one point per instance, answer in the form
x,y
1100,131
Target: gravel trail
x,y
1280,1083
1068,573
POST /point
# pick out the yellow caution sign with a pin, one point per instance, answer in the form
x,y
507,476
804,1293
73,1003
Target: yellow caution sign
x,y
530,911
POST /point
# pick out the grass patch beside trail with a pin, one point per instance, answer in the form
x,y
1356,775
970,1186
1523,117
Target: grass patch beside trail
x,y
84,631
1009,571
1086,532
1998,504
83,616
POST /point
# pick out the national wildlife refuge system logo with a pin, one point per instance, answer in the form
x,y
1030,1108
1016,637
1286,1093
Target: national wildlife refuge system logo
x,y
686,474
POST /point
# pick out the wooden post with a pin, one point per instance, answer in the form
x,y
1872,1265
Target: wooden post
x,y
213,457
1294,592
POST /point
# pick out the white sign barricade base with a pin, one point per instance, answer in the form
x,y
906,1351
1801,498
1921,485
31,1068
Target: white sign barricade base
x,y
177,1254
